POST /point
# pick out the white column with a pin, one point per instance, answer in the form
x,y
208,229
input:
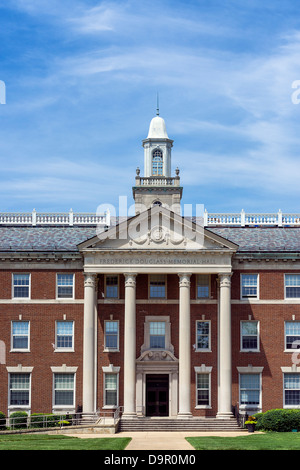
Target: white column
x,y
88,400
184,346
130,345
225,366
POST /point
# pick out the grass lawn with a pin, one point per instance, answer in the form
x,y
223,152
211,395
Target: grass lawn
x,y
268,441
57,442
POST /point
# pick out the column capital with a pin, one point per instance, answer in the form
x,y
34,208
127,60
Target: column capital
x,y
130,279
90,280
184,279
224,279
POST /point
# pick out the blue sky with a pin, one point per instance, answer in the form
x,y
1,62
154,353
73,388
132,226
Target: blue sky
x,y
81,81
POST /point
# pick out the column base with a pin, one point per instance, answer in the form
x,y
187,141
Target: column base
x,y
224,415
184,415
129,415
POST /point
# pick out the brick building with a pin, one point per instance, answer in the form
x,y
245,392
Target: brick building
x,y
159,314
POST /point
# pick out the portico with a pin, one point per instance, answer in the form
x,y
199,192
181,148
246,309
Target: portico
x,y
109,253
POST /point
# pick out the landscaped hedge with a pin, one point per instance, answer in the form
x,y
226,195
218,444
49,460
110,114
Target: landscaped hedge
x,y
2,421
18,420
278,420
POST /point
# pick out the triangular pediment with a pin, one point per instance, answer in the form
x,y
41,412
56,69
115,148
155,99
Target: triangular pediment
x,y
157,229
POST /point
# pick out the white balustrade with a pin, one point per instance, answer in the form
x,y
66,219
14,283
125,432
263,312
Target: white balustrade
x,y
71,218
54,218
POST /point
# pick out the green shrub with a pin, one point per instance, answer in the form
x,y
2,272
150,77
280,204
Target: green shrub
x,y
18,419
278,420
2,421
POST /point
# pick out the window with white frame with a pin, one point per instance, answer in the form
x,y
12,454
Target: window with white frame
x,y
292,286
157,335
65,286
20,335
112,287
21,286
65,335
110,389
203,389
157,163
203,282
250,390
249,336
19,389
203,335
111,335
64,389
292,335
291,390
249,286
157,286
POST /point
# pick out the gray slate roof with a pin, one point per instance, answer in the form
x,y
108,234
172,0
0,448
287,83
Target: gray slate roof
x,y
66,238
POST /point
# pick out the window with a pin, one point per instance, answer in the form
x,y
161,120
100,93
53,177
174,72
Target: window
x,y
111,332
157,163
65,286
292,286
249,285
203,389
202,286
157,286
203,335
292,335
157,335
64,335
110,390
19,387
291,390
111,287
64,389
21,285
250,390
20,335
249,336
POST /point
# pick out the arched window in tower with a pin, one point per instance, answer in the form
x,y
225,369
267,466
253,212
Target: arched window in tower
x,y
157,163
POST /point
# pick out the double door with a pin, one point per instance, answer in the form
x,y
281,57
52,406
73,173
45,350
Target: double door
x,y
157,395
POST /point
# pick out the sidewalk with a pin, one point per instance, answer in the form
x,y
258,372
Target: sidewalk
x,y
159,440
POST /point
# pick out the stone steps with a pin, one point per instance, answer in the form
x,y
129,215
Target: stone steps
x,y
169,424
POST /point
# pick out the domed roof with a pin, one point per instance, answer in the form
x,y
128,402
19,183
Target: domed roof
x,y
157,129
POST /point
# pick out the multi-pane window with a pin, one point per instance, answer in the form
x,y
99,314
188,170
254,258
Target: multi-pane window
x,y
292,286
203,335
65,286
21,285
19,388
157,163
291,390
249,286
250,390
292,335
111,287
249,336
110,389
157,286
20,335
202,286
203,393
64,389
111,335
64,334
157,335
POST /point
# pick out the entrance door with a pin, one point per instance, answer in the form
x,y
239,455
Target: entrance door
x,y
157,395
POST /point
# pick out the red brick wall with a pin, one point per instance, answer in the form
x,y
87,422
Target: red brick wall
x,y
42,334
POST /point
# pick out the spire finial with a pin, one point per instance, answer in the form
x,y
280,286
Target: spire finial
x,y
157,105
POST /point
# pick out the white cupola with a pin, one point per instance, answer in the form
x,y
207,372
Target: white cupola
x,y
157,149
157,186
